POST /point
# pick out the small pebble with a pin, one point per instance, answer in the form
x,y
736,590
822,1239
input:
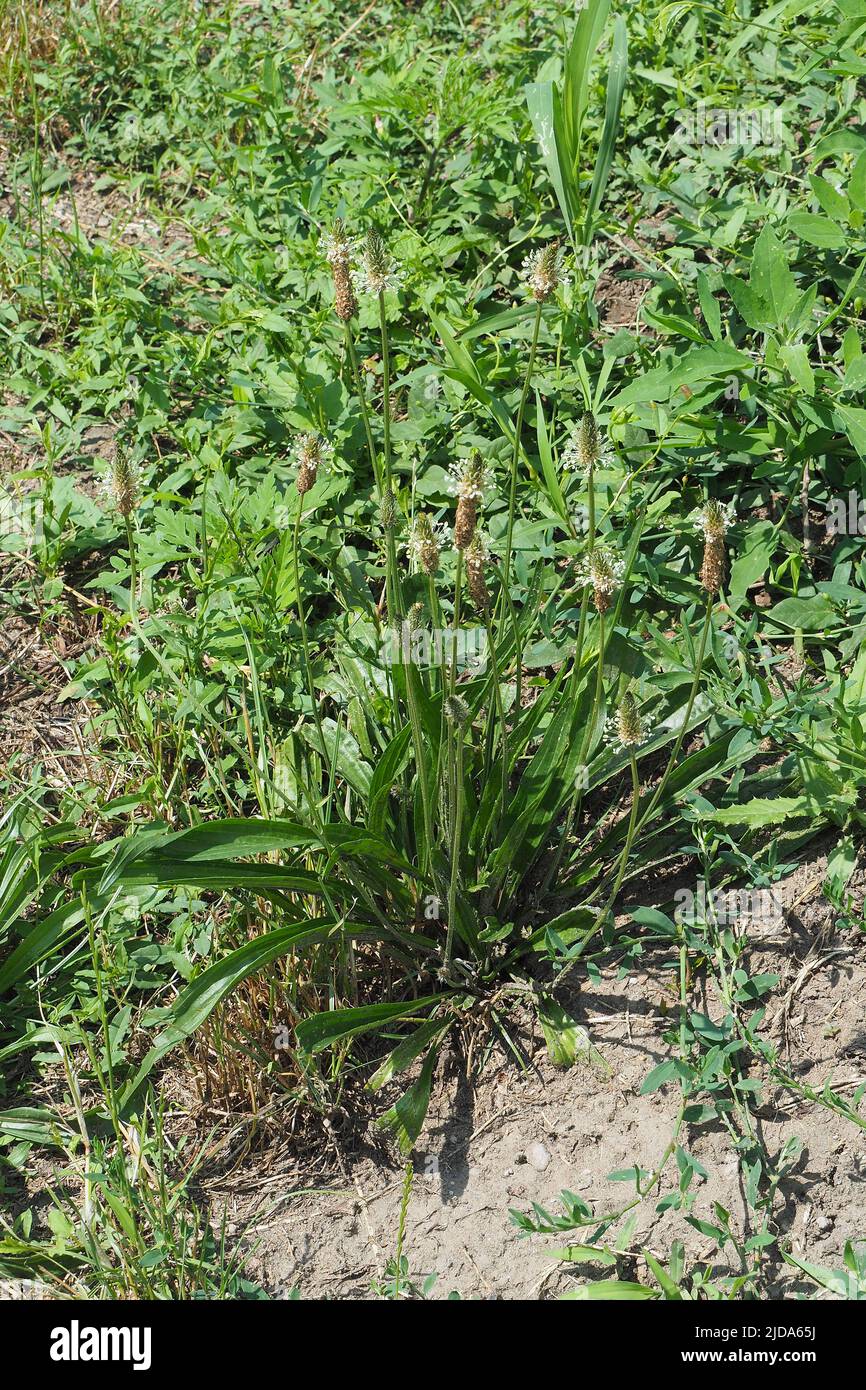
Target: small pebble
x,y
537,1157
824,1223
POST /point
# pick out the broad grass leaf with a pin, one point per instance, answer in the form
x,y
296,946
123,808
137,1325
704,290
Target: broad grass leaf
x,y
385,774
407,1050
39,940
407,1115
333,1025
548,468
34,1126
585,40
545,113
610,1290
616,80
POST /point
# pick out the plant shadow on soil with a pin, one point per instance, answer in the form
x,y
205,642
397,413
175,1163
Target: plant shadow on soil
x,y
507,1138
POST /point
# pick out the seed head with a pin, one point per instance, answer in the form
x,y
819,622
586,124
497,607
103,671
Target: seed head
x,y
456,710
122,483
713,565
337,250
377,270
312,452
625,728
543,272
603,569
336,246
388,510
714,518
470,479
425,544
586,449
477,559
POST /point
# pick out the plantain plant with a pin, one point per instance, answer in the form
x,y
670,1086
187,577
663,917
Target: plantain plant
x,y
471,723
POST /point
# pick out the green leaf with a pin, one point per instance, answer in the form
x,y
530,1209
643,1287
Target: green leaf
x,y
671,1070
762,811
323,1029
857,182
796,359
407,1115
709,307
753,560
809,614
668,1287
407,1050
854,424
818,231
610,1290
566,1040
771,277
583,1254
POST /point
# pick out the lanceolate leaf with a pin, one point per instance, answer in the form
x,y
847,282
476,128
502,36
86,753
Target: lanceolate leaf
x,y
616,80
407,1115
323,1029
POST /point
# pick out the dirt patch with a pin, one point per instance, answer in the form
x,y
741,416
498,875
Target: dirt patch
x,y
623,283
35,725
101,207
511,1139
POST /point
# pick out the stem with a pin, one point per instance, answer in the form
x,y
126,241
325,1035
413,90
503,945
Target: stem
x,y
455,848
415,721
500,709
394,590
133,567
455,771
308,669
515,457
386,388
512,492
577,794
623,861
362,402
656,797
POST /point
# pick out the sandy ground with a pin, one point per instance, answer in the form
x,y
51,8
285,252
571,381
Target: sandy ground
x,y
511,1139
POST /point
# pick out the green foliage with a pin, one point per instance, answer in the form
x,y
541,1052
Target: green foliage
x,y
294,820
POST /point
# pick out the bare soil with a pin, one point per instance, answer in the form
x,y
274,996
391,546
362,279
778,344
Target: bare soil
x,y
508,1139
